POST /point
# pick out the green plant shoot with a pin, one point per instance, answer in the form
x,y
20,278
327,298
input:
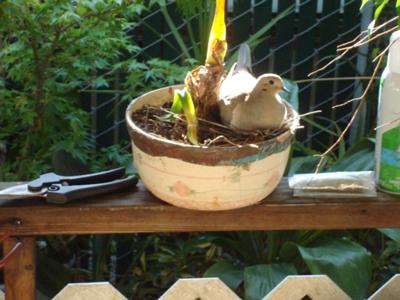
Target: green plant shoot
x,y
183,102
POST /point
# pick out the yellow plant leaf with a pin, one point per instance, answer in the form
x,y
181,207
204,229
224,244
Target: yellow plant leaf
x,y
217,45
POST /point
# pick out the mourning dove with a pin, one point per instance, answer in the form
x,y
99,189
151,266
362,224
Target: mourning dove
x,y
247,103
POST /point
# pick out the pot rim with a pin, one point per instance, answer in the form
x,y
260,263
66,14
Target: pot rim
x,y
131,124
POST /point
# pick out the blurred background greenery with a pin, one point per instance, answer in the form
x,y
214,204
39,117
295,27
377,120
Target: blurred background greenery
x,y
69,68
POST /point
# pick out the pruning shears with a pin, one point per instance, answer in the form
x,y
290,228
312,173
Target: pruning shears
x,y
60,189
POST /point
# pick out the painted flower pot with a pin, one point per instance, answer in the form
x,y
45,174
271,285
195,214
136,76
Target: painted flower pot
x,y
206,178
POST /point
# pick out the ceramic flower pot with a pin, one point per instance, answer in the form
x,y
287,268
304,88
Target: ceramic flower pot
x,y
206,178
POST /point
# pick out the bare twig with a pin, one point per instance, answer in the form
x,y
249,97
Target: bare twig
x,y
329,63
366,32
388,123
353,40
379,57
352,119
200,119
221,137
311,113
362,41
366,41
385,50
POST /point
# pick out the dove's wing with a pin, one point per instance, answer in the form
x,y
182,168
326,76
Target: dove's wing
x,y
239,82
244,58
236,87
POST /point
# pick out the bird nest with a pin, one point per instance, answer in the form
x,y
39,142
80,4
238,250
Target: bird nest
x,y
152,120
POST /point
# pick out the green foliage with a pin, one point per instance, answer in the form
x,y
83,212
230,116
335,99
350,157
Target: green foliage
x,y
381,5
150,75
50,49
157,261
183,102
259,280
345,262
204,11
113,156
227,272
392,233
254,263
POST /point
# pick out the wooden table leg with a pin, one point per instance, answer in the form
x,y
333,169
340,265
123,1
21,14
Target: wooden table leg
x,y
19,272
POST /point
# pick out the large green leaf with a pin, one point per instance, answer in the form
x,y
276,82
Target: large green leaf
x,y
345,262
398,7
360,157
259,280
303,164
379,9
228,273
360,161
393,233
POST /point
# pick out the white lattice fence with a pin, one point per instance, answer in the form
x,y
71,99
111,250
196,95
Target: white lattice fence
x,y
314,287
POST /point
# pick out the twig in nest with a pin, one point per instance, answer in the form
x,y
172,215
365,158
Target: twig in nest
x,y
352,119
214,123
200,119
221,137
310,113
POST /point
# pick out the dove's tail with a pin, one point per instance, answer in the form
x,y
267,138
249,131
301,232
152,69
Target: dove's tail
x,y
244,58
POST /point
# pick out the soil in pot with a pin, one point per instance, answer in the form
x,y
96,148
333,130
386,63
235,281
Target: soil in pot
x,y
153,120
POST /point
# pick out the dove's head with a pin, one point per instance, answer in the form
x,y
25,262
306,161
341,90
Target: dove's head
x,y
270,83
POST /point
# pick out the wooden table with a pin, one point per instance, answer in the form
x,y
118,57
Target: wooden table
x,y
138,211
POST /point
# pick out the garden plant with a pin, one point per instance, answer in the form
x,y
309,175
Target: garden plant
x,y
51,51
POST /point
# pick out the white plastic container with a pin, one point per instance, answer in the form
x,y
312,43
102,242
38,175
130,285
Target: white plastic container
x,y
388,133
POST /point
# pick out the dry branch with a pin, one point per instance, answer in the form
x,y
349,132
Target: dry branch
x,y
362,39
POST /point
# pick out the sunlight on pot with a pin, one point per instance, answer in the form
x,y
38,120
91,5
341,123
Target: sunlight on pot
x,y
207,178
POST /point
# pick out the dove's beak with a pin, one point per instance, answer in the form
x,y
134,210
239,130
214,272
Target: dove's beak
x,y
286,90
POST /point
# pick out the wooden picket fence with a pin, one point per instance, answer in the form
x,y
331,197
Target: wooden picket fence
x,y
311,287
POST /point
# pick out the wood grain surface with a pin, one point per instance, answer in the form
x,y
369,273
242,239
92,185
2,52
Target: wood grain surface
x,y
307,287
137,210
20,271
199,288
89,291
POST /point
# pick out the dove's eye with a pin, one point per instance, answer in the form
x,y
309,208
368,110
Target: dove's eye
x,y
271,82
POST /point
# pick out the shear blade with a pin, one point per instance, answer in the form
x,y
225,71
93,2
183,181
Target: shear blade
x,y
19,192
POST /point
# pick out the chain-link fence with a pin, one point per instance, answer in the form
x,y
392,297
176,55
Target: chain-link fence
x,y
304,37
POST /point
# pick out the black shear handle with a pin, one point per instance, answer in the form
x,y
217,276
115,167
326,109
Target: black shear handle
x,y
60,194
48,179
